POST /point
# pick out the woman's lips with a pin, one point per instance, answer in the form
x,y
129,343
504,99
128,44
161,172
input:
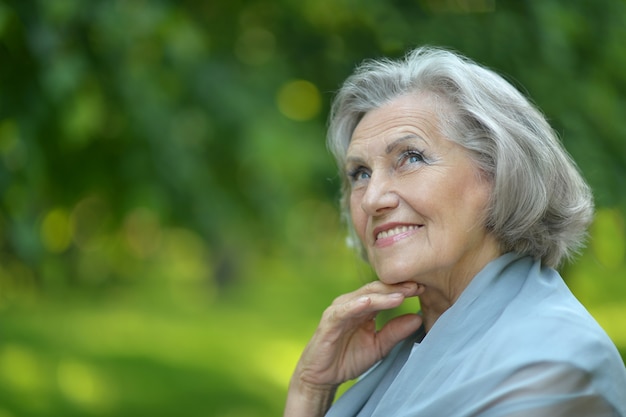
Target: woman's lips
x,y
387,235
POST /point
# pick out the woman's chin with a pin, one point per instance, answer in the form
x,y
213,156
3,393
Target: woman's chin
x,y
393,277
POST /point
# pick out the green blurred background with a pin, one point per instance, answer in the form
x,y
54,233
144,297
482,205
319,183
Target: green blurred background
x,y
169,232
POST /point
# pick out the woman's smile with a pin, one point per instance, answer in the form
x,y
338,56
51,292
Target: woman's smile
x,y
386,235
417,199
461,194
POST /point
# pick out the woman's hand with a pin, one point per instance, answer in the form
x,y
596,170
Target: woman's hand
x,y
346,344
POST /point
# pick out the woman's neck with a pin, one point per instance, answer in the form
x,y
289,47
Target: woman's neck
x,y
444,290
432,306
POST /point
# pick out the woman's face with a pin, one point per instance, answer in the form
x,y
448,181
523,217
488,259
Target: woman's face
x,y
417,200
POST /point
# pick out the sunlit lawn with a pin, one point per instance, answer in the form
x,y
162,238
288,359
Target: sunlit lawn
x,y
120,359
162,348
155,350
116,358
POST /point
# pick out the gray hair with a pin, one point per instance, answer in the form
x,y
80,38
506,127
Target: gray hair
x,y
540,204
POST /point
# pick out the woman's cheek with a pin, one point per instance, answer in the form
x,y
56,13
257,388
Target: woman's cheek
x,y
359,218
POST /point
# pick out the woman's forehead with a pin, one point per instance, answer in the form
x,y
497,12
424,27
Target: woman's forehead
x,y
406,118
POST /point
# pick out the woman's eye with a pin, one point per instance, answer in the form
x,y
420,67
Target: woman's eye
x,y
358,174
413,157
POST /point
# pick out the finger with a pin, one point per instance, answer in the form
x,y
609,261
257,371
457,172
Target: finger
x,y
397,330
408,288
361,309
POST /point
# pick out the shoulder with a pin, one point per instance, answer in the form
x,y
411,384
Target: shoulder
x,y
543,319
553,388
551,329
557,338
554,352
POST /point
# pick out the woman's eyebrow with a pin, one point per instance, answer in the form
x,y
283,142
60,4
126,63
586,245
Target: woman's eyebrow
x,y
400,141
357,160
354,160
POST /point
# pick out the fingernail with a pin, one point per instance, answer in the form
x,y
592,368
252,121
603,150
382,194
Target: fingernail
x,y
396,295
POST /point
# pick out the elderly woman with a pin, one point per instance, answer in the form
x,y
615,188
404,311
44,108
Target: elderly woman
x,y
458,192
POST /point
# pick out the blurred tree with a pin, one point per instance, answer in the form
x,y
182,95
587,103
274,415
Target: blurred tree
x,y
174,151
181,108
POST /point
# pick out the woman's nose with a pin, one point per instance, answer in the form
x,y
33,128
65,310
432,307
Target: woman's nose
x,y
379,196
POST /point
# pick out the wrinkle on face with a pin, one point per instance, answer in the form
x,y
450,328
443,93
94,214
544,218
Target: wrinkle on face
x,y
446,193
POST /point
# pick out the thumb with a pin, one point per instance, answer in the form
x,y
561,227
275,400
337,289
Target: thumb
x,y
397,330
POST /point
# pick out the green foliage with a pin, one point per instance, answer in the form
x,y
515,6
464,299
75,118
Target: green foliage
x,y
168,227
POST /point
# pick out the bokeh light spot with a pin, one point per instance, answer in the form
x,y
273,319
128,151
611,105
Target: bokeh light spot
x,y
185,41
89,218
81,384
17,283
8,135
299,100
56,230
142,231
84,117
12,149
185,255
20,368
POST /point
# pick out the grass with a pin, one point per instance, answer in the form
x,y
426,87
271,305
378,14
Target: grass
x,y
151,349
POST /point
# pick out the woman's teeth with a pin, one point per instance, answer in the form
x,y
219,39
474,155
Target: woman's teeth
x,y
395,231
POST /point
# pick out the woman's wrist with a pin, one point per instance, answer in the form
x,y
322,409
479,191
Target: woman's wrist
x,y
307,400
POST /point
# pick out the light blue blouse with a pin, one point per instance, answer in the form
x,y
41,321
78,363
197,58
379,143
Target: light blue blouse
x,y
515,343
